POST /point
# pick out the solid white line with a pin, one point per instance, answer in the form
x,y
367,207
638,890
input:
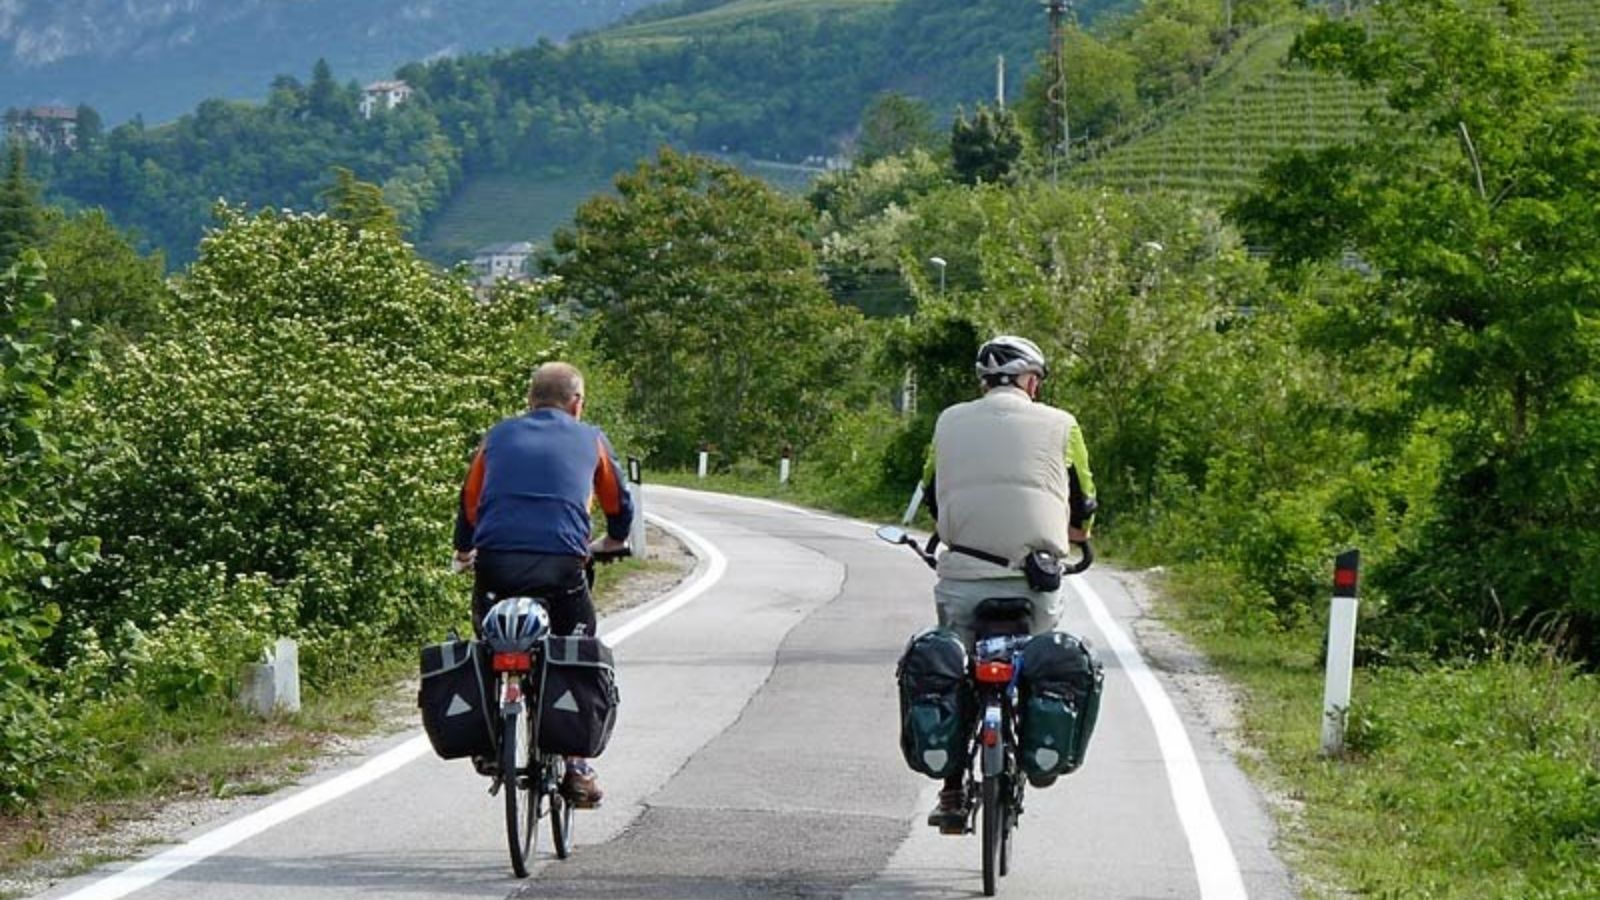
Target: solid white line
x,y
681,597
160,866
148,872
1214,862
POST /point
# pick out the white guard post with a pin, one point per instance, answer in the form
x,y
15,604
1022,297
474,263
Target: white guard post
x,y
703,457
275,684
1341,651
783,467
636,488
911,508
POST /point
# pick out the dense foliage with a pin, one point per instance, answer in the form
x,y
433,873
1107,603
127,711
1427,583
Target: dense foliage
x,y
707,299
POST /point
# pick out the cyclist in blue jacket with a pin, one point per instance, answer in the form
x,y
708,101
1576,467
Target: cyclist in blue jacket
x,y
523,523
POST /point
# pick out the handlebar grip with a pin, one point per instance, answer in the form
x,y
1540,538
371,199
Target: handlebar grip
x,y
1084,561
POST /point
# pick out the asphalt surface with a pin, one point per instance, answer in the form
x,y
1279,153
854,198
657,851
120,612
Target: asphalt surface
x,y
756,756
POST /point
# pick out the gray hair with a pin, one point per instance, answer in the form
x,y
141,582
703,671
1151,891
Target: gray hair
x,y
554,384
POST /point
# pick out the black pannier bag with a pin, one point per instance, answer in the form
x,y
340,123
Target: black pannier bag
x,y
577,693
1059,692
937,706
456,699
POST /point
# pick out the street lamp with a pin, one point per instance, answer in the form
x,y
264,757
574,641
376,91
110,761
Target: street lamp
x,y
939,262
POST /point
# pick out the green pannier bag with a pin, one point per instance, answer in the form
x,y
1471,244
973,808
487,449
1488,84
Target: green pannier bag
x,y
1059,693
937,708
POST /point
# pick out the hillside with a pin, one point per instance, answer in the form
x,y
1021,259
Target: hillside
x,y
158,58
1211,143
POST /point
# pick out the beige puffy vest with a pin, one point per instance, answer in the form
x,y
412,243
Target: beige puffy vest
x,y
1001,480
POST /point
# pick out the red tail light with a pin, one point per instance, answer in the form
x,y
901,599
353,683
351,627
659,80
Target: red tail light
x,y
994,672
513,662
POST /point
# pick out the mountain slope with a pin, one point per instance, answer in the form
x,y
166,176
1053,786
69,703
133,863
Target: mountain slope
x,y
160,57
1212,142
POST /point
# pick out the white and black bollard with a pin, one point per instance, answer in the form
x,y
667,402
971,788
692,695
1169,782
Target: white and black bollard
x,y
636,488
783,466
704,458
1341,651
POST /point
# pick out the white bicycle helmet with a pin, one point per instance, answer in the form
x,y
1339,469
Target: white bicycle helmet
x,y
1004,358
515,624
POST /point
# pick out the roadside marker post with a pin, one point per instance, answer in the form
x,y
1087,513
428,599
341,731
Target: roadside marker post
x,y
636,488
1341,651
703,460
911,508
783,466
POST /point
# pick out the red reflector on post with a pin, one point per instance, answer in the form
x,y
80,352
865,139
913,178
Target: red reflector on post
x,y
513,662
990,737
1347,573
993,672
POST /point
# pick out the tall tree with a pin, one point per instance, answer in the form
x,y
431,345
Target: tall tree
x,y
988,148
359,204
708,299
1472,200
21,219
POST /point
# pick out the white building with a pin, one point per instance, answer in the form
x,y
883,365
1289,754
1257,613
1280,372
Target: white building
x,y
383,95
50,128
498,261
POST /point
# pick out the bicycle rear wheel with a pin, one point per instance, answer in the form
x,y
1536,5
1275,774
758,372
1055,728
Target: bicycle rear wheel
x,y
522,795
560,820
994,817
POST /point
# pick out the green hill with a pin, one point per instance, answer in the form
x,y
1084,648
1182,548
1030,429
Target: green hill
x,y
695,24
1212,142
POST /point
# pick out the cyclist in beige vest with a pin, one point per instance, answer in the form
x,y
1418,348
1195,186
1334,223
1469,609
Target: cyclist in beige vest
x,y
1006,476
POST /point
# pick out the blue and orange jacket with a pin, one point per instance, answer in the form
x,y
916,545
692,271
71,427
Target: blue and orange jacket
x,y
532,483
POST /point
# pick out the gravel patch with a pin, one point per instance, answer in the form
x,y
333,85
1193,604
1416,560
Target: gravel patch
x,y
66,843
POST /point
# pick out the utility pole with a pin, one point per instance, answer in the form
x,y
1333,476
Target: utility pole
x,y
1000,82
1060,127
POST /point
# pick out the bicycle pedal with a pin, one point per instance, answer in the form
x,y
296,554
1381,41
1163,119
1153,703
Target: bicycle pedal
x,y
955,830
585,804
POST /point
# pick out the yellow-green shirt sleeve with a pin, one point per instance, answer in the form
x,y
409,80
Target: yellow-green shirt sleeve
x,y
1078,461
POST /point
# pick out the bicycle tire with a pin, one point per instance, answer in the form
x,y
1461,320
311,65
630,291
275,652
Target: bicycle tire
x,y
993,819
522,812
1008,822
560,821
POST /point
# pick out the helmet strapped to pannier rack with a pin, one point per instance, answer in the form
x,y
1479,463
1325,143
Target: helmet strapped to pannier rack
x,y
1004,358
515,624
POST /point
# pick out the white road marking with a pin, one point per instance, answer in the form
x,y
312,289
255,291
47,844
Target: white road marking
x,y
148,872
681,597
1214,862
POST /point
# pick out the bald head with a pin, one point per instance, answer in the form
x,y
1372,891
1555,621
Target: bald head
x,y
556,385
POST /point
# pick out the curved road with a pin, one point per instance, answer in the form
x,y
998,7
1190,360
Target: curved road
x,y
756,755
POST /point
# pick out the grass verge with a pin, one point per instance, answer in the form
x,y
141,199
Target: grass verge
x,y
1478,778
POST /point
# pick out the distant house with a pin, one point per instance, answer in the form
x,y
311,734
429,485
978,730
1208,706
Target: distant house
x,y
383,95
50,128
500,261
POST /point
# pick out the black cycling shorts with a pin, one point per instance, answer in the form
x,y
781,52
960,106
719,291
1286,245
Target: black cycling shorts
x,y
560,581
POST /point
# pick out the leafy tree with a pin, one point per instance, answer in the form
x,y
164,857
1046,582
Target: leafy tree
x,y
359,204
98,278
1471,198
893,124
324,99
21,219
709,303
986,149
91,129
1101,88
41,369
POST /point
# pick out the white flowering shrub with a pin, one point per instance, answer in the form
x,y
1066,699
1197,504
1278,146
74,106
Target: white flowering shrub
x,y
285,458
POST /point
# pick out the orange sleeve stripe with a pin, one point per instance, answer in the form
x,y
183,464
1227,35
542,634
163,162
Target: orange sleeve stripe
x,y
607,486
472,492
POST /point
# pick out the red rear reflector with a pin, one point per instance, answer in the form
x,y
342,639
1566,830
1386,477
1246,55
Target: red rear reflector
x,y
990,737
994,672
513,662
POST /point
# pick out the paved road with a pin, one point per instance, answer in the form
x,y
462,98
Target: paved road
x,y
756,756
